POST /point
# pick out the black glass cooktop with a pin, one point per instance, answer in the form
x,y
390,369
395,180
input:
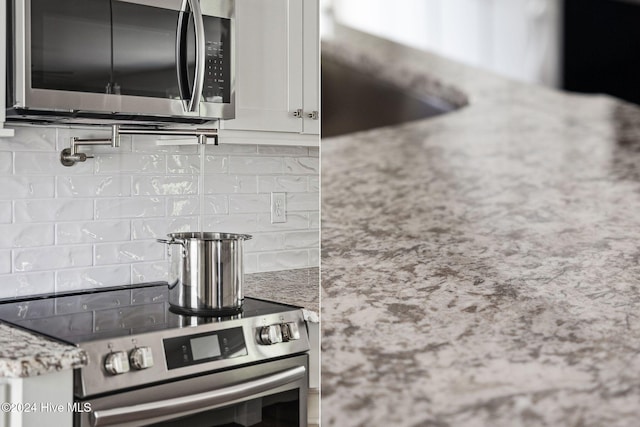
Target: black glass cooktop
x,y
107,313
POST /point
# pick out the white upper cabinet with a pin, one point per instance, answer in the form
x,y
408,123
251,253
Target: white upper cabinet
x,y
311,67
278,69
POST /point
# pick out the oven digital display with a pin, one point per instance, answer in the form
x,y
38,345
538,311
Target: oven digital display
x,y
205,347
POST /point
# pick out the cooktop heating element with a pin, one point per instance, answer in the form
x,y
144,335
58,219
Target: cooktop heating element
x,y
132,338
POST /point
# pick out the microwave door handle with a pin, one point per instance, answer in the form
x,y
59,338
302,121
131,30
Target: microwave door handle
x,y
182,69
180,406
190,100
198,82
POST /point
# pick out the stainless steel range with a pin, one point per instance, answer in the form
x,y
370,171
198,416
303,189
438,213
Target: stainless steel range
x,y
151,366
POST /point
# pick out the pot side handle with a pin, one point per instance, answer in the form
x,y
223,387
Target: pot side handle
x,y
174,242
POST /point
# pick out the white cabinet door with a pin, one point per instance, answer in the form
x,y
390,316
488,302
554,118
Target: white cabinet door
x,y
311,67
526,40
269,52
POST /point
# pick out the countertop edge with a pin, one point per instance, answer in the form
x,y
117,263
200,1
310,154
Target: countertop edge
x,y
25,354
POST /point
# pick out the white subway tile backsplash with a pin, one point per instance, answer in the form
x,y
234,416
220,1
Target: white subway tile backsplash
x,y
256,165
5,263
145,272
216,164
223,184
285,183
248,203
262,242
238,223
159,228
295,221
303,202
250,263
147,144
131,163
6,163
314,220
302,239
216,205
132,207
92,277
314,184
183,163
93,186
52,258
20,285
52,210
26,235
46,164
314,257
92,232
180,206
27,187
95,224
6,212
165,185
274,261
302,165
223,148
31,139
129,252
283,150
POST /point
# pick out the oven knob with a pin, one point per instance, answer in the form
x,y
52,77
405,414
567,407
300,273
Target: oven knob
x,y
271,334
290,331
116,363
141,358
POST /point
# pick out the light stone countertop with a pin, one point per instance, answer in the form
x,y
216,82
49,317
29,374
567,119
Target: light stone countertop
x,y
481,268
25,354
295,287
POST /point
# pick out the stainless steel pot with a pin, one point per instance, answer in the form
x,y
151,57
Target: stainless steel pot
x,y
206,272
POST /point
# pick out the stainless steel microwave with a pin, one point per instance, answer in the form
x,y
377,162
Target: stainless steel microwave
x,y
138,61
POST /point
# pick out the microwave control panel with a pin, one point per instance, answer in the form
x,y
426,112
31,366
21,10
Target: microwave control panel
x,y
217,82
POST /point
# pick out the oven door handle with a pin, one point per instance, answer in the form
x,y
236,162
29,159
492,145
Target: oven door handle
x,y
180,406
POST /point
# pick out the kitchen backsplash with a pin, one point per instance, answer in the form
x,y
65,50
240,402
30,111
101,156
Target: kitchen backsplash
x,y
95,224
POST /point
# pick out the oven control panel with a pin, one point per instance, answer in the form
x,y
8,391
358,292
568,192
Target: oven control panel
x,y
189,350
202,348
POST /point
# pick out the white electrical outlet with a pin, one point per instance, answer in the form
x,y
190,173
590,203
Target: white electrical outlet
x,y
278,207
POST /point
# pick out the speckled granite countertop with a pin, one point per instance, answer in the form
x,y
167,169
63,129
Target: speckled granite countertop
x,y
481,268
295,287
23,354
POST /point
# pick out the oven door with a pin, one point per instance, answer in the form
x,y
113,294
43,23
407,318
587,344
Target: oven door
x,y
169,58
271,394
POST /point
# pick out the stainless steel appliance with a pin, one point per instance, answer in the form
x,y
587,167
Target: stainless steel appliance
x,y
206,272
150,366
137,61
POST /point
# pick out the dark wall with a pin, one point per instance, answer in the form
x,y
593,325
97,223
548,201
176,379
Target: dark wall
x,y
602,47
